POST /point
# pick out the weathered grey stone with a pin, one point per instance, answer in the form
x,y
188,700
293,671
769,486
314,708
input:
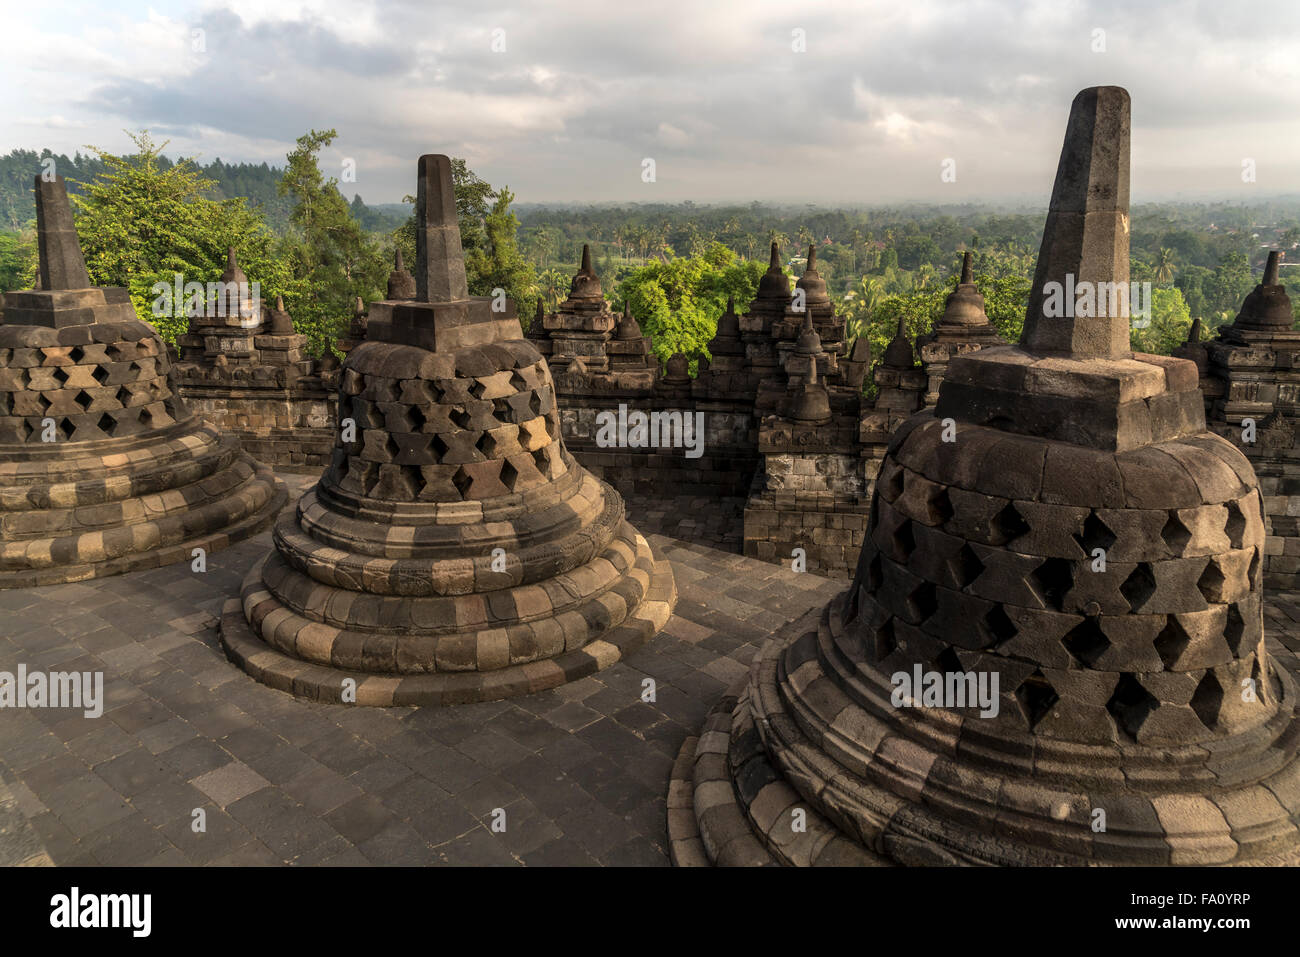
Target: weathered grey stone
x,y
454,529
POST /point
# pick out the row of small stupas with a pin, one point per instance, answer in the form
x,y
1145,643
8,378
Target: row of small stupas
x,y
785,425
1250,375
244,368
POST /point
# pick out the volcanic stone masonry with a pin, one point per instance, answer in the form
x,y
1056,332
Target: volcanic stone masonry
x,y
453,551
601,361
962,328
1139,718
1250,375
248,374
103,468
809,493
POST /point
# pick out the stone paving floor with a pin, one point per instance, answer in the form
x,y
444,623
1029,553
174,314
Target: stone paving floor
x,y
717,522
580,771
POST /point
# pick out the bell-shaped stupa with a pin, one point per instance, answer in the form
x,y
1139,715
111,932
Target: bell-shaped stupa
x,y
103,469
963,327
453,551
1053,649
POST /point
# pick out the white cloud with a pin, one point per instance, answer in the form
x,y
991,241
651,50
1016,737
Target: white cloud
x,y
883,93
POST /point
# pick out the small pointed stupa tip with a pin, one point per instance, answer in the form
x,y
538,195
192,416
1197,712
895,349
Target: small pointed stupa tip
x,y
902,328
731,304
398,265
812,258
1270,270
539,308
586,259
627,308
360,306
279,303
230,257
812,370
1195,334
966,267
775,261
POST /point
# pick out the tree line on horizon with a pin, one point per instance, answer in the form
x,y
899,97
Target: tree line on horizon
x,y
143,217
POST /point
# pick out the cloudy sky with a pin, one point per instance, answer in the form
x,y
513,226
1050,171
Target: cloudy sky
x,y
850,103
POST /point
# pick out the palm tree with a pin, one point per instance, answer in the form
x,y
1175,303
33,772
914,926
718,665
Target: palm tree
x,y
860,302
1164,266
551,283
731,232
544,242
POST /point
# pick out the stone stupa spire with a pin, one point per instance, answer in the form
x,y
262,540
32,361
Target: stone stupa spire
x,y
964,327
628,327
281,323
62,265
443,315
1086,239
774,284
586,284
964,306
439,260
899,353
1267,308
813,285
401,284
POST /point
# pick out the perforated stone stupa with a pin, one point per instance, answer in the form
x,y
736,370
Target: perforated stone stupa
x,y
453,551
963,327
1083,541
103,468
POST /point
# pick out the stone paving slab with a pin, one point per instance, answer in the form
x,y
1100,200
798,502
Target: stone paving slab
x,y
580,771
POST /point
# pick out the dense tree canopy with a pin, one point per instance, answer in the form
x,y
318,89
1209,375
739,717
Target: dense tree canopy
x,y
678,301
143,222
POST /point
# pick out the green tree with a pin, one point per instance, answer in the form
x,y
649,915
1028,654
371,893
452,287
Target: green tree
x,y
552,284
916,250
142,221
498,263
17,259
1190,281
1227,285
331,258
678,302
1167,326
1164,266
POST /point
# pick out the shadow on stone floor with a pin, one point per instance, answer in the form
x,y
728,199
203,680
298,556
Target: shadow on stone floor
x,y
580,772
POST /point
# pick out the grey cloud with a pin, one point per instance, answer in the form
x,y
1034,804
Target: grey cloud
x,y
990,80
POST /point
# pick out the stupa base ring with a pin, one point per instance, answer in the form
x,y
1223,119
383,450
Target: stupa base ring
x,y
731,802
249,510
326,684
